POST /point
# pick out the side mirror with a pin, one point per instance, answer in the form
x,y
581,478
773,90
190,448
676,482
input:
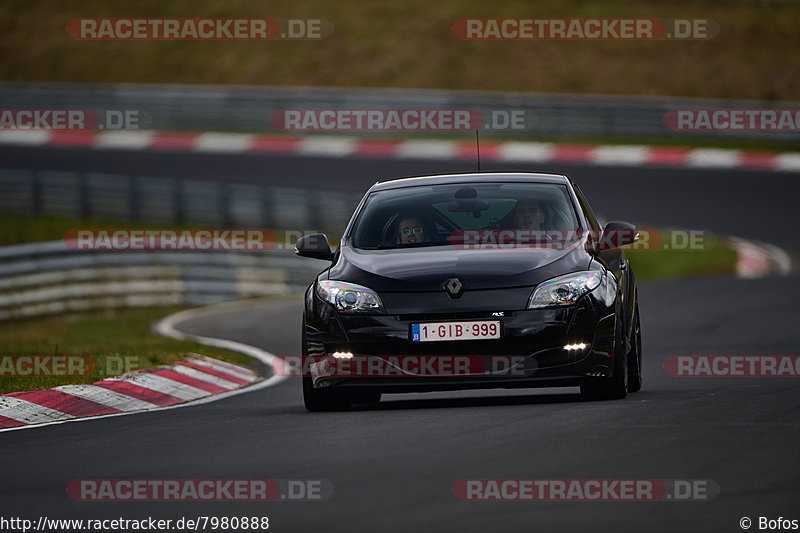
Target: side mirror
x,y
616,235
315,246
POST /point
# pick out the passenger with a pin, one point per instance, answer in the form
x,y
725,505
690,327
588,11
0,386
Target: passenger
x,y
528,214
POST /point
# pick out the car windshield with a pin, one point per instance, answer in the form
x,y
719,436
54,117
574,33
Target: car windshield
x,y
436,215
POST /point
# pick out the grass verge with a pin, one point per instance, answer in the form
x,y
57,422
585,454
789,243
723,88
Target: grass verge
x,y
411,44
115,339
717,259
22,229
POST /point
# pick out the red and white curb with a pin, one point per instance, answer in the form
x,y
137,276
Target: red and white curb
x,y
341,146
189,379
192,381
758,259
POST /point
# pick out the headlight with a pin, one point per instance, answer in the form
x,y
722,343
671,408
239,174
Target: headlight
x,y
564,290
349,297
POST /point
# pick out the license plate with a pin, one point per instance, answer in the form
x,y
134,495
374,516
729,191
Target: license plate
x,y
455,331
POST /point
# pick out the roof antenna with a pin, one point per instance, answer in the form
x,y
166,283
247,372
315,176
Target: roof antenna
x,y
478,145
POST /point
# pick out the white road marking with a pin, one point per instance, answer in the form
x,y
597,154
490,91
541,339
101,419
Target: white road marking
x,y
788,162
106,397
26,137
620,155
427,149
526,151
204,376
214,364
29,412
327,146
124,140
223,142
164,385
712,158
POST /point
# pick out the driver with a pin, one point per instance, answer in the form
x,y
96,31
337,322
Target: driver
x,y
410,230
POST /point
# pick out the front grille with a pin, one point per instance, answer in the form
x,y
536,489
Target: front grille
x,y
437,317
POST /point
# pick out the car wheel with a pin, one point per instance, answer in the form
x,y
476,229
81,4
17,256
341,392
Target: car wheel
x,y
615,387
317,400
635,355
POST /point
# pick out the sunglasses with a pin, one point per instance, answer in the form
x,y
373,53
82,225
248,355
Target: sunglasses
x,y
416,230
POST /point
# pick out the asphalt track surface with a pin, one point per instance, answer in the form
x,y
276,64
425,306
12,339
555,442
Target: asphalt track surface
x,y
393,466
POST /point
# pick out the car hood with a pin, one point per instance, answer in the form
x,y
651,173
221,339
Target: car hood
x,y
427,268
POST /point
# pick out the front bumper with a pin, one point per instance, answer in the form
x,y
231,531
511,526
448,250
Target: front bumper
x,y
530,352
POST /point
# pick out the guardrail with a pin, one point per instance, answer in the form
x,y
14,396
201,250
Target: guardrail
x,y
49,278
154,200
249,108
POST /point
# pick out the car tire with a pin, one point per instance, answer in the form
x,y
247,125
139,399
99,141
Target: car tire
x,y
320,400
615,387
635,355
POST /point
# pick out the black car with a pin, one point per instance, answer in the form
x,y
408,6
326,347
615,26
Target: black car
x,y
484,280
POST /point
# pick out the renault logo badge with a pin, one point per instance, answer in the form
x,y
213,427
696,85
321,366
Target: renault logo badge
x,y
454,287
